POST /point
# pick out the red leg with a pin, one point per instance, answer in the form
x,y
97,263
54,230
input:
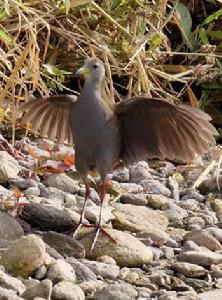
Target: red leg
x,y
81,223
99,226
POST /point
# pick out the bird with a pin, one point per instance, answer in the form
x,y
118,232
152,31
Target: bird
x,y
135,129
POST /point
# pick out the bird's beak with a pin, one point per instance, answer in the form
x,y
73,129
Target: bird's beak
x,y
82,71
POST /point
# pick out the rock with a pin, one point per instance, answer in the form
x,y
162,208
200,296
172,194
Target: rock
x,y
132,218
190,204
104,270
60,270
191,193
9,167
211,295
216,205
173,185
106,259
47,217
5,192
53,193
89,287
157,201
189,246
92,214
7,294
131,187
127,250
121,175
215,232
42,289
195,222
139,199
10,282
116,291
24,183
175,214
158,238
67,291
83,273
189,270
63,183
10,229
155,187
65,245
41,273
24,256
203,238
198,285
138,173
35,191
210,185
202,258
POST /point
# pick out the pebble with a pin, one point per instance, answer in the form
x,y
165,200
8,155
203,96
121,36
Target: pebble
x,y
103,270
188,269
9,167
66,290
10,229
60,270
24,256
83,273
155,187
42,290
202,258
63,183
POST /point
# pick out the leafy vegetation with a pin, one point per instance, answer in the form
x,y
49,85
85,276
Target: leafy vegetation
x,y
165,48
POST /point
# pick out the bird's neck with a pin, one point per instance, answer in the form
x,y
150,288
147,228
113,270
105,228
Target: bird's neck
x,y
92,86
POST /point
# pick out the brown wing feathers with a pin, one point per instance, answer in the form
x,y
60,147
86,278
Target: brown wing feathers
x,y
50,117
154,128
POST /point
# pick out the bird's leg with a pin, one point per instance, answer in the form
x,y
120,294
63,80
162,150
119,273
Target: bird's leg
x,y
99,226
81,223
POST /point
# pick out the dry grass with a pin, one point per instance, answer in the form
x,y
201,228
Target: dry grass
x,y
134,38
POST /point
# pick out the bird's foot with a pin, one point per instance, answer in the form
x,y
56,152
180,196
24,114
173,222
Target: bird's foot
x,y
99,228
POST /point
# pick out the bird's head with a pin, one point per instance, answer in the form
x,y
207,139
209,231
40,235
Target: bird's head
x,y
92,69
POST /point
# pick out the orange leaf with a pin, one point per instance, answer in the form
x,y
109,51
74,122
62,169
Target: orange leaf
x,y
17,193
50,171
69,160
193,99
32,152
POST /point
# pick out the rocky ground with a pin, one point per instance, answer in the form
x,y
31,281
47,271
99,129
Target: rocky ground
x,y
168,235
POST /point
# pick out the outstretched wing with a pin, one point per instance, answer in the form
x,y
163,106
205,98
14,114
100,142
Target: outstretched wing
x,y
153,128
50,117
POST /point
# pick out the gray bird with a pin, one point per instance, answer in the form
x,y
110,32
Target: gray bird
x,y
132,130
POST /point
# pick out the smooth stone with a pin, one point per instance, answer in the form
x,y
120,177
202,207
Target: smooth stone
x,y
63,183
173,185
32,191
175,214
188,269
133,218
106,259
139,199
60,270
210,185
47,217
24,183
9,282
8,294
121,175
9,167
138,173
65,245
92,214
24,256
157,238
67,291
215,232
155,187
89,287
157,201
203,238
4,192
42,289
189,204
102,269
190,246
83,273
211,295
127,250
10,229
202,258
116,291
216,205
41,273
54,193
131,187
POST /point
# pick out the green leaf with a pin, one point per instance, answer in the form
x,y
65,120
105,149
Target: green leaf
x,y
184,23
66,5
6,37
217,34
155,41
213,17
203,36
3,15
53,70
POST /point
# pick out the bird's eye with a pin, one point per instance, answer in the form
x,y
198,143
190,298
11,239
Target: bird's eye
x,y
95,66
